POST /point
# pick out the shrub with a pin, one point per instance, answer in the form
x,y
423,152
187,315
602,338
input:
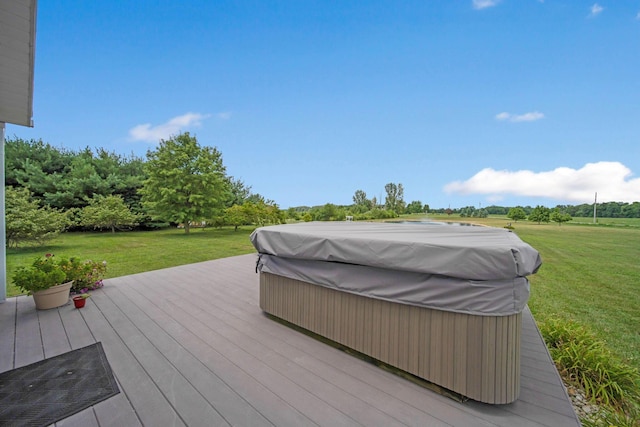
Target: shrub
x,y
586,362
86,275
27,222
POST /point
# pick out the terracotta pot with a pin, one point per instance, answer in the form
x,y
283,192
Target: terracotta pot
x,y
79,301
53,297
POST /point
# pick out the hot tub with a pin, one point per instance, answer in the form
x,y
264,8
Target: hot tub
x,y
440,302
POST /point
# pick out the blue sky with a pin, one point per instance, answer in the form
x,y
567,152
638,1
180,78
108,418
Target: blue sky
x,y
463,102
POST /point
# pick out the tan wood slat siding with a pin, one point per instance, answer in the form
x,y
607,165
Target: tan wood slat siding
x,y
460,367
475,356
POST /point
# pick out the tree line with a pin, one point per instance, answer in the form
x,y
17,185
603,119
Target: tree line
x,y
49,190
604,210
363,207
181,183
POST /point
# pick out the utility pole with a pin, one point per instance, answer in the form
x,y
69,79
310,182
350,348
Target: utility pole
x,y
595,204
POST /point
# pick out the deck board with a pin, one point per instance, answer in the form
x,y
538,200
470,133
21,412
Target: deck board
x,y
7,333
190,346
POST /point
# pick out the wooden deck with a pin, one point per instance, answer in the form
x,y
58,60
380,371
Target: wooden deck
x,y
190,346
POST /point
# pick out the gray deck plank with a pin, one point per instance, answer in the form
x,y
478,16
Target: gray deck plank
x,y
77,330
275,409
54,337
28,341
115,411
55,342
191,341
85,418
7,333
228,403
150,405
194,409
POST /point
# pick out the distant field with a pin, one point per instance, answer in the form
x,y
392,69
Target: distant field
x,y
619,222
590,273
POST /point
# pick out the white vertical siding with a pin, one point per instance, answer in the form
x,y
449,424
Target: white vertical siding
x,y
17,55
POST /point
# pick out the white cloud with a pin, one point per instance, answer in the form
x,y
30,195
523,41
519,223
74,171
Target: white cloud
x,y
638,16
483,4
526,117
611,180
225,115
147,132
596,9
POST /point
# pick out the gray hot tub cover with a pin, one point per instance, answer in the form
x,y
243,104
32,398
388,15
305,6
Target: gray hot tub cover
x,y
464,252
476,297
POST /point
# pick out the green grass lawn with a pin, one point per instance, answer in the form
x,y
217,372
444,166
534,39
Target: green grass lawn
x,y
616,222
138,251
590,273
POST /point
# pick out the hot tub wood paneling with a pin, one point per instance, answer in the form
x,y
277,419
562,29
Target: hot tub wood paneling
x,y
475,356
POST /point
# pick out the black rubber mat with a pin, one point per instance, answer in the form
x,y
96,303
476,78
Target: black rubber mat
x,y
52,389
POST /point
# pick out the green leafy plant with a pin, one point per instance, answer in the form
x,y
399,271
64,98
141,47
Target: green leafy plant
x,y
589,364
86,275
608,418
42,274
48,271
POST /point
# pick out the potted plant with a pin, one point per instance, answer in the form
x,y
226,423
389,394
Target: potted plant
x,y
50,279
86,275
46,280
80,300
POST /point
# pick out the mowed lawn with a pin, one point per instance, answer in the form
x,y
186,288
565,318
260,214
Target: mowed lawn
x,y
590,273
138,251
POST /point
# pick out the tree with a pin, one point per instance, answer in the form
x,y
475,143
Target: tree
x,y
539,214
481,213
237,215
329,212
27,222
293,214
107,212
467,212
415,207
395,198
560,217
360,200
186,182
239,192
262,212
517,213
66,179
